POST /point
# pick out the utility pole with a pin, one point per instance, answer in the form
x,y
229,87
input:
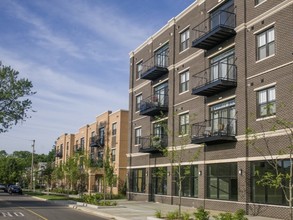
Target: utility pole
x,y
32,174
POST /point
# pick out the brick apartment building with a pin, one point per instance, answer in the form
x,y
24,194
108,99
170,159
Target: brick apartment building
x,y
109,131
211,73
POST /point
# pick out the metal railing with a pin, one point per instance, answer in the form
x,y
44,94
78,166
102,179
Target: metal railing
x,y
59,154
97,141
214,127
221,18
158,60
155,101
153,142
78,148
217,71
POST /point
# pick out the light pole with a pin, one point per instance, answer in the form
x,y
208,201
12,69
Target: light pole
x,y
32,174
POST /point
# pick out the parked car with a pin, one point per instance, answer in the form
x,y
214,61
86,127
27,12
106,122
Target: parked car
x,y
14,189
2,187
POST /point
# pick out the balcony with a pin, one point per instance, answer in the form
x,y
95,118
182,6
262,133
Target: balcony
x,y
155,67
215,131
217,78
214,30
154,105
96,162
78,148
59,154
97,141
153,144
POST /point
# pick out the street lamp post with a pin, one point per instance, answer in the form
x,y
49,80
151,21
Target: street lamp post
x,y
32,168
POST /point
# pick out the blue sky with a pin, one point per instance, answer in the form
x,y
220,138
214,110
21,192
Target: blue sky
x,y
76,53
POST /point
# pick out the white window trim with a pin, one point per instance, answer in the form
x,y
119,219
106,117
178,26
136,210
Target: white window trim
x,y
184,29
160,46
221,50
182,113
181,93
259,4
266,118
184,70
222,100
160,82
264,28
162,119
265,87
265,58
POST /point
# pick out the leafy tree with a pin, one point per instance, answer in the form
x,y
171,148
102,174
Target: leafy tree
x,y
14,105
110,176
3,153
275,177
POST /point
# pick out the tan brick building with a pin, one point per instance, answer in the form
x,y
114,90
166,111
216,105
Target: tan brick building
x,y
108,132
211,73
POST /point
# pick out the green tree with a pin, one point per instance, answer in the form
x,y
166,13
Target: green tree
x,y
275,177
3,153
14,106
110,177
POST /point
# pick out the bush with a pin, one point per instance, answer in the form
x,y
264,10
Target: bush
x,y
185,216
158,214
97,199
238,215
172,215
201,214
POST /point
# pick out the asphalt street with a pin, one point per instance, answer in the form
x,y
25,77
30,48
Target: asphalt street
x,y
25,207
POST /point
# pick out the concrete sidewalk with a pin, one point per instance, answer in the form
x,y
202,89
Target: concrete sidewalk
x,y
137,210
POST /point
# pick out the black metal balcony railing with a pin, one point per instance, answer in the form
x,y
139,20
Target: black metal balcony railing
x,y
153,143
97,162
97,141
217,78
154,105
59,154
78,148
155,67
214,131
214,30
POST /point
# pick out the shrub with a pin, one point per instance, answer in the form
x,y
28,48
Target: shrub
x,y
185,216
201,214
158,214
238,215
172,215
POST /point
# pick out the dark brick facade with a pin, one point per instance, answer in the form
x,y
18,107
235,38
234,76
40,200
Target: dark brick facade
x,y
252,76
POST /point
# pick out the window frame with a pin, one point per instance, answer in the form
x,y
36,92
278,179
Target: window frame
x,y
189,183
159,180
137,136
267,103
114,129
267,44
184,39
219,180
138,100
138,180
184,84
184,127
139,69
258,2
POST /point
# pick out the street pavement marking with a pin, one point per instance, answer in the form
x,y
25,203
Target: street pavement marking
x,y
31,211
8,214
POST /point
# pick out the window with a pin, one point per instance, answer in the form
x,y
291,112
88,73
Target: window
x,y
265,194
137,136
259,1
184,82
114,129
161,94
222,181
184,40
266,101
113,155
139,70
138,102
161,56
82,144
266,43
183,124
138,180
189,176
159,180
102,136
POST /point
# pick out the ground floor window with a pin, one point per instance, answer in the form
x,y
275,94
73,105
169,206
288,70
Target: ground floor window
x,y
189,180
159,180
138,180
222,181
266,194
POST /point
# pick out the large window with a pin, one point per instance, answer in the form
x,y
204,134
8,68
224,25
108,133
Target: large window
x,y
222,181
184,40
184,124
161,56
265,194
266,43
114,129
137,136
184,82
266,101
82,144
113,155
138,102
102,135
138,180
139,69
189,181
159,180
